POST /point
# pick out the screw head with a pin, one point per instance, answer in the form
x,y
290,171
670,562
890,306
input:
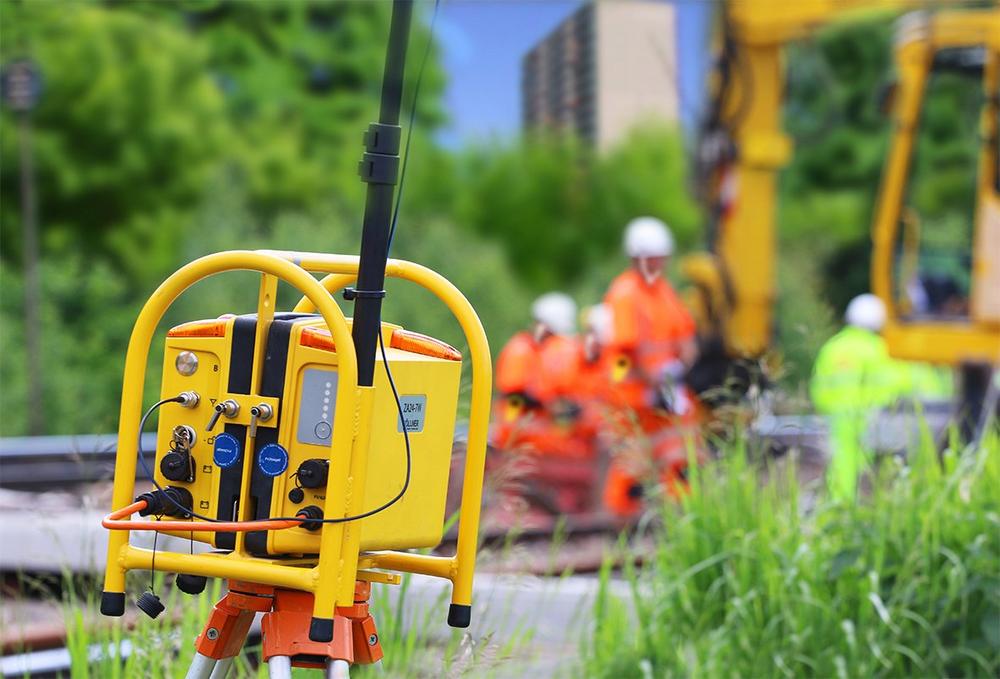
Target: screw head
x,y
372,639
186,363
212,634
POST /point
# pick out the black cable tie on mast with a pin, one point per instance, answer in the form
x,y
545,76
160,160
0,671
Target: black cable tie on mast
x,y
353,293
382,138
380,163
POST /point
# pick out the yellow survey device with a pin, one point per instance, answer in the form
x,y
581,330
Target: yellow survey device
x,y
284,432
273,424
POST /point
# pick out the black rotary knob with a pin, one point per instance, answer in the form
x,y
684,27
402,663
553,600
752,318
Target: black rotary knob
x,y
177,466
313,473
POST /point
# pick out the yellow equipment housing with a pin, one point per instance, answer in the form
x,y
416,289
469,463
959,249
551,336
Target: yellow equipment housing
x,y
286,366
300,352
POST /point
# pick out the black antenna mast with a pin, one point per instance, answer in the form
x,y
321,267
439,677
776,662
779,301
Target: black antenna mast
x,y
379,168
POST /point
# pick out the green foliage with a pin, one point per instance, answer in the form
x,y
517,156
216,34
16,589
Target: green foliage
x,y
128,129
301,80
150,108
748,582
559,208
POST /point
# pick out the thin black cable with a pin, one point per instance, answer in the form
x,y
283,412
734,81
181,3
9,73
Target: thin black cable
x,y
152,563
149,474
409,130
409,459
142,425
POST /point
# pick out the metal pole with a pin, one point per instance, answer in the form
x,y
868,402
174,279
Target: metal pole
x,y
32,331
279,667
338,669
379,169
202,667
222,668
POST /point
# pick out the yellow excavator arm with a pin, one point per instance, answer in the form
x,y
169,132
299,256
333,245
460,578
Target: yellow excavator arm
x,y
733,284
974,335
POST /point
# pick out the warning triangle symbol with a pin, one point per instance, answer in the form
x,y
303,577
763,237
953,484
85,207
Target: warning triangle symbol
x,y
212,400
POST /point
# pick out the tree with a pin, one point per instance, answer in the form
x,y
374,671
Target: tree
x,y
559,208
127,132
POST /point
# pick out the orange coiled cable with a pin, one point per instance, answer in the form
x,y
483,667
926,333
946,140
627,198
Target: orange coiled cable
x,y
117,520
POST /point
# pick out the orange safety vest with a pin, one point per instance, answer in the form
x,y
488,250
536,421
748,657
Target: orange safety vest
x,y
650,322
542,370
649,326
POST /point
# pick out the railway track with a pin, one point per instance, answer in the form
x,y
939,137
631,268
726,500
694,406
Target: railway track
x,y
54,462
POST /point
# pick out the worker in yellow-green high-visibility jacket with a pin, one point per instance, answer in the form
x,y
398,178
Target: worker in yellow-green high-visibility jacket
x,y
853,376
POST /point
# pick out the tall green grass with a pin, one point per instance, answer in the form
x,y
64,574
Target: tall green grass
x,y
746,583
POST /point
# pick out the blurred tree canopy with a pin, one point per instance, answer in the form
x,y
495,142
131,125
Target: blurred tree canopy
x,y
147,110
127,131
143,102
560,208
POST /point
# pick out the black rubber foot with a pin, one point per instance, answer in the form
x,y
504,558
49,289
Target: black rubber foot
x,y
321,630
191,584
150,604
113,603
459,615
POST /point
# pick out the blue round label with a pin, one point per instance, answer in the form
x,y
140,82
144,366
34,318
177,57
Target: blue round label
x,y
227,450
272,459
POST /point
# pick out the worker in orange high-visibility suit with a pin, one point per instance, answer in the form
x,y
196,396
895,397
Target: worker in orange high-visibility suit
x,y
542,461
651,346
536,375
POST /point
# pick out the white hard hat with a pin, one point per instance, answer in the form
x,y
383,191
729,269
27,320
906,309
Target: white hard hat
x,y
648,237
599,321
866,311
556,311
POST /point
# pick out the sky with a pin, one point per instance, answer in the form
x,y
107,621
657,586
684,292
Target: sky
x,y
484,40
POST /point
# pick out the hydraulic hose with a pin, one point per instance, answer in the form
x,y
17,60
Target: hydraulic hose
x,y
117,520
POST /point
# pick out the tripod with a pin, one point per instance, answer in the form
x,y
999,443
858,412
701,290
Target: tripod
x,y
285,628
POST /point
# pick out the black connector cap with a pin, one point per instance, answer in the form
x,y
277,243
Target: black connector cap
x,y
191,584
113,604
177,466
459,615
150,604
313,473
321,630
311,512
171,501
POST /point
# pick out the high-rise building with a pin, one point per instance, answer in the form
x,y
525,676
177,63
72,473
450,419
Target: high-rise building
x,y
608,66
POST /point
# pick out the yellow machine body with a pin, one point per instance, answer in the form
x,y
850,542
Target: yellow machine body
x,y
733,285
974,336
360,442
302,429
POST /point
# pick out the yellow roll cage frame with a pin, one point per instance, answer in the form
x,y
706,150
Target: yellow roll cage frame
x,y
330,577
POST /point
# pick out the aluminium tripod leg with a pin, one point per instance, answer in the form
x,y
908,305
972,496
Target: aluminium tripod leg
x,y
338,669
202,667
222,668
279,667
